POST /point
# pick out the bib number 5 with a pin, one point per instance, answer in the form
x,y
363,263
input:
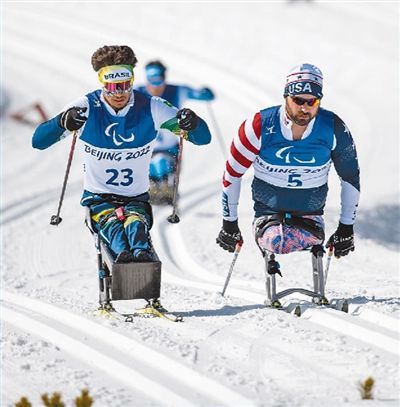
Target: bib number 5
x,y
122,177
294,181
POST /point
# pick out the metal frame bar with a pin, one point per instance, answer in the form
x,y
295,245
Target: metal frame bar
x,y
318,279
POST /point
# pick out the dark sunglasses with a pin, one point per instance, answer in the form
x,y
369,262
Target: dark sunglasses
x,y
310,102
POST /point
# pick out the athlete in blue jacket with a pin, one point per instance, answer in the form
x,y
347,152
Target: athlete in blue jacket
x,y
166,147
117,129
291,148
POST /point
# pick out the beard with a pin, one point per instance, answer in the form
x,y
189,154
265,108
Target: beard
x,y
301,118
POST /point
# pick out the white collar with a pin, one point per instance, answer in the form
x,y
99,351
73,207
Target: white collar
x,y
121,112
286,125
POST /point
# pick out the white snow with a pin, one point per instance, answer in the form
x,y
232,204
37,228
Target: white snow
x,y
231,351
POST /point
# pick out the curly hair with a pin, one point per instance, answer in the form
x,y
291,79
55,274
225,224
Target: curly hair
x,y
113,55
157,63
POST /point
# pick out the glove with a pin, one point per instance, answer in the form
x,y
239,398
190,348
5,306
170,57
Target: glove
x,y
342,240
187,119
229,235
207,93
73,118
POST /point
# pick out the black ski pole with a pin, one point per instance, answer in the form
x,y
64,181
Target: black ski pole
x,y
174,218
235,256
217,129
56,219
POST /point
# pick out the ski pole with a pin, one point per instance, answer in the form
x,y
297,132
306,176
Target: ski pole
x,y
56,219
174,218
217,129
328,261
235,256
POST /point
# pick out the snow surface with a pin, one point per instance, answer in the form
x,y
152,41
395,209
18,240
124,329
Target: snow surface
x,y
235,352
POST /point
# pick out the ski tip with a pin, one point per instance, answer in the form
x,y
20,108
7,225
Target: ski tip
x,y
103,313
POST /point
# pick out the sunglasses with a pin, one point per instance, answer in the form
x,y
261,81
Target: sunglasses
x,y
112,89
310,102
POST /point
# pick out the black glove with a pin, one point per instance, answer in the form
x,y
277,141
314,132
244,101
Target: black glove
x,y
229,235
73,118
187,119
207,93
342,240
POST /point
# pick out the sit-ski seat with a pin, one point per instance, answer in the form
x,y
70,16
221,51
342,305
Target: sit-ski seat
x,y
124,281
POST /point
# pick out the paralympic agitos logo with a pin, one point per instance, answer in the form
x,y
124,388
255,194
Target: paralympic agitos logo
x,y
117,139
285,154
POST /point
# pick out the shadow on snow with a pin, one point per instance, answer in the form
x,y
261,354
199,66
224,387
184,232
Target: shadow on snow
x,y
380,224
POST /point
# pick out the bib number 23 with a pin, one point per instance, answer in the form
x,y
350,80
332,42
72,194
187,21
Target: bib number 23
x,y
122,177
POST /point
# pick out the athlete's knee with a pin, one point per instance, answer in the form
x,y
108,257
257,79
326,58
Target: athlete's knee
x,y
135,219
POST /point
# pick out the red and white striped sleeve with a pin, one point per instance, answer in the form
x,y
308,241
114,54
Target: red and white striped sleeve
x,y
244,149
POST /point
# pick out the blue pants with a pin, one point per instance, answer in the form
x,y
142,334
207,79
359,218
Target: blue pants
x,y
130,234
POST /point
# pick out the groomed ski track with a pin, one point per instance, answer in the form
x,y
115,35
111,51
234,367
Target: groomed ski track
x,y
139,366
372,327
226,352
149,371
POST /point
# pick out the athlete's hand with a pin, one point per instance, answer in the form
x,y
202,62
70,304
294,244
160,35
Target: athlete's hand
x,y
207,94
229,235
73,118
342,240
187,119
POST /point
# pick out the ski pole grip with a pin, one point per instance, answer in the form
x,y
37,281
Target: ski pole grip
x,y
238,246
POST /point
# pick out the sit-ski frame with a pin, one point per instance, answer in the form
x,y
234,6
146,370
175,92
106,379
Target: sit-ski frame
x,y
319,280
125,281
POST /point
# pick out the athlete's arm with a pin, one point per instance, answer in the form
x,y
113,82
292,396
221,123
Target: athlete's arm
x,y
344,157
204,94
162,111
245,148
48,133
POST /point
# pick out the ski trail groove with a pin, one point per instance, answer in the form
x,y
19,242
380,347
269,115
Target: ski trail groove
x,y
375,317
348,325
184,376
377,335
351,325
92,357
